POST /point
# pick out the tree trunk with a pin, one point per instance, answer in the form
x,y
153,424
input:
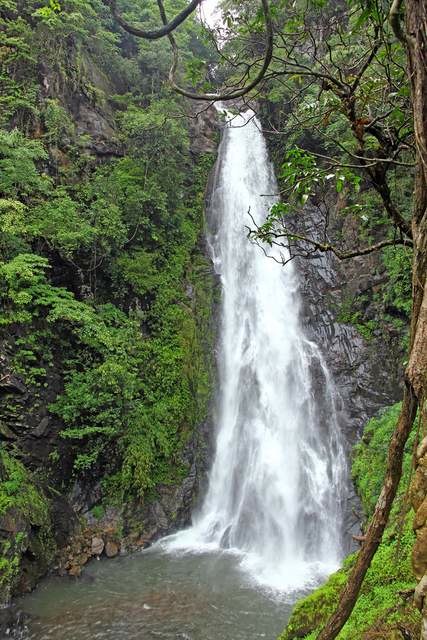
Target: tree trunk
x,y
416,371
416,29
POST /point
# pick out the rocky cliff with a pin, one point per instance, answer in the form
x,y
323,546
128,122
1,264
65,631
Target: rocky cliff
x,y
107,331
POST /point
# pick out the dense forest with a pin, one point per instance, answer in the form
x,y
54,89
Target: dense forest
x,y
109,298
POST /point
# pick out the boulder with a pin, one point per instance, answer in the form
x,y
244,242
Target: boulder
x,y
97,546
75,571
111,549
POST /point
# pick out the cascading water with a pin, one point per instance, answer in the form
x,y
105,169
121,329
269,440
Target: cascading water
x,y
278,479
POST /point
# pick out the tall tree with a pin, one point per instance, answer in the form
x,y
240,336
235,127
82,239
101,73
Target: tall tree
x,y
414,38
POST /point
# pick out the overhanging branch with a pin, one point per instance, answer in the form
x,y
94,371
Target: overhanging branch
x,y
322,247
233,93
306,253
153,34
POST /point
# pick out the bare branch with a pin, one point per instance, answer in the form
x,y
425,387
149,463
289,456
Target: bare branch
x,y
227,95
326,247
154,34
366,64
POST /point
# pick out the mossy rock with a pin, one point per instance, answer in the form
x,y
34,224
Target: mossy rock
x,y
27,546
312,611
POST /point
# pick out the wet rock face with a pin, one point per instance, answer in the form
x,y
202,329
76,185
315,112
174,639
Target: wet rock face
x,y
204,129
94,122
12,624
138,524
173,505
367,372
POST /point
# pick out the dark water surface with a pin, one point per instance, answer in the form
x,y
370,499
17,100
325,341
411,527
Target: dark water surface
x,y
153,595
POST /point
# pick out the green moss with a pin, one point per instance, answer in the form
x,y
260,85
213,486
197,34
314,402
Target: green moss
x,y
98,511
24,511
383,601
350,312
384,606
18,492
315,608
370,455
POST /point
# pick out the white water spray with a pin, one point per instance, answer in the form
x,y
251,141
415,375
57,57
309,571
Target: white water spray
x,y
278,478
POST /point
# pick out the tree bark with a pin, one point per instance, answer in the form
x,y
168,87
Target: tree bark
x,y
416,34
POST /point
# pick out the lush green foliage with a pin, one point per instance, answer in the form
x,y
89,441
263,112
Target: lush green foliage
x,y
371,453
120,387
384,605
22,506
102,280
103,284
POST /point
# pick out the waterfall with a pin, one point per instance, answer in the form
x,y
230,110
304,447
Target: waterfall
x,y
278,478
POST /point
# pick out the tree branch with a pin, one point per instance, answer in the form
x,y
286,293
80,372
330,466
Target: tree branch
x,y
325,247
377,175
154,34
366,64
233,94
394,20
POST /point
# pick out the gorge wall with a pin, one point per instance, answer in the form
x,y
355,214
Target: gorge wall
x,y
357,311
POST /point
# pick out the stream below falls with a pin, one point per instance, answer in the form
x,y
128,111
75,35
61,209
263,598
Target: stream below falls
x,y
153,595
